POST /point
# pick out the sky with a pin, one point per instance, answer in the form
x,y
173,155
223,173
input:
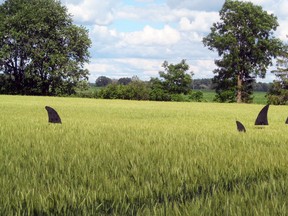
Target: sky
x,y
134,37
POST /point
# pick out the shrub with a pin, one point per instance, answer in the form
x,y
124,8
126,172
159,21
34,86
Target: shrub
x,y
179,97
196,96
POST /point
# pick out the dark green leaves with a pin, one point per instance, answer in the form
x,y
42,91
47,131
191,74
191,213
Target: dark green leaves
x,y
244,39
175,78
41,50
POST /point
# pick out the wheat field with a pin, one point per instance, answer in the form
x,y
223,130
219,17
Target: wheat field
x,y
113,157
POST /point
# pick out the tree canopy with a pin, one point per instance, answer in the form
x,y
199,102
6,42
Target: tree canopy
x,y
102,81
175,78
41,51
245,42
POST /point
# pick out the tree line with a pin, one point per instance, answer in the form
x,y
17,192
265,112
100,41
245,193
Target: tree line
x,y
43,53
173,84
196,84
207,84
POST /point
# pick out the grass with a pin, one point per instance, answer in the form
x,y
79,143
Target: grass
x,y
258,97
112,157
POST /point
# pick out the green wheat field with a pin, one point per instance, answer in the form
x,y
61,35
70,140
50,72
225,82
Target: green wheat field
x,y
112,157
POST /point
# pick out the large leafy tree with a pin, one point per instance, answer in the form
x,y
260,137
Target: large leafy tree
x,y
175,79
278,94
244,40
41,51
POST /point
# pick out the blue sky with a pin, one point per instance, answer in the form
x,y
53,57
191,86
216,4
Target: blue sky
x,y
134,37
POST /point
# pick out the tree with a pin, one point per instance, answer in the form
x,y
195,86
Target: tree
x,y
41,51
103,81
157,92
278,94
244,39
175,79
124,81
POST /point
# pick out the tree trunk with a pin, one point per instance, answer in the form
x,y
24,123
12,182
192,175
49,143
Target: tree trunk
x,y
239,89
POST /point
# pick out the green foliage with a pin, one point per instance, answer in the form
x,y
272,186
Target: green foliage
x,y
179,98
175,78
135,90
225,96
244,39
138,90
206,84
124,81
41,51
103,81
158,93
196,96
278,94
110,92
155,89
113,157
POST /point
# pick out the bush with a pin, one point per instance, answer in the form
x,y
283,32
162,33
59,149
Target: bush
x,y
278,94
225,96
136,90
281,99
110,92
179,97
196,96
158,94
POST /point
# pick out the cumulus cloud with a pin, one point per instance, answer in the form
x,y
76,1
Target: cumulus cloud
x,y
147,43
104,33
152,36
124,67
199,22
151,12
93,11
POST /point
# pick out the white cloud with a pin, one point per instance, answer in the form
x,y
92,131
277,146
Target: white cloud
x,y
152,36
124,67
282,30
103,32
153,12
149,67
202,68
283,8
93,11
147,43
200,21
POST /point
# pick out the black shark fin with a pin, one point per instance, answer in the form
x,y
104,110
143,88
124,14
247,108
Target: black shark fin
x,y
240,127
53,116
262,116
